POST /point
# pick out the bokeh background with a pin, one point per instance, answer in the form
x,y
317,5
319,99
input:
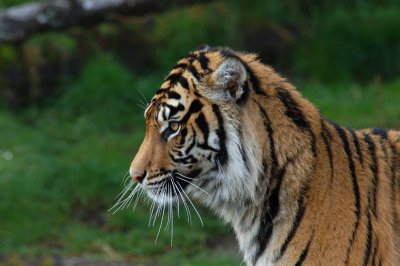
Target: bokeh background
x,y
71,116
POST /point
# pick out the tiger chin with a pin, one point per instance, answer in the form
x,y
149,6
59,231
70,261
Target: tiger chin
x,y
231,133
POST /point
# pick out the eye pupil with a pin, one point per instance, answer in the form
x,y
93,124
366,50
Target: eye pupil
x,y
174,126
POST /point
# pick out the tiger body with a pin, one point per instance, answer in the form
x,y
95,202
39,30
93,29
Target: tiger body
x,y
297,188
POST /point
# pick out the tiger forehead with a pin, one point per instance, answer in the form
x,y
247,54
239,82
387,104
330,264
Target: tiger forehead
x,y
195,66
179,86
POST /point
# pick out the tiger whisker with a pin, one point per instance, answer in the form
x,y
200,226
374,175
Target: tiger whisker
x,y
176,193
171,207
156,214
198,214
141,106
162,218
168,215
125,178
144,98
159,205
188,214
183,179
190,178
144,104
140,195
126,202
152,207
121,199
124,190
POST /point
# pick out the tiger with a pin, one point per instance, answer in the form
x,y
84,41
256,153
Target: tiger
x,y
296,188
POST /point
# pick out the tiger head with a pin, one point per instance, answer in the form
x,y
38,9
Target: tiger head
x,y
194,127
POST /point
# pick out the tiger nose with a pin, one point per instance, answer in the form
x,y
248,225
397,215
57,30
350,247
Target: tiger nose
x,y
137,175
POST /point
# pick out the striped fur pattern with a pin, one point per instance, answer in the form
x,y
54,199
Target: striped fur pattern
x,y
297,188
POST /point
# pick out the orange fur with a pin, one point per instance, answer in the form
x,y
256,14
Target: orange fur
x,y
339,189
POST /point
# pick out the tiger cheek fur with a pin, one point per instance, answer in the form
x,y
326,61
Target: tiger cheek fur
x,y
296,188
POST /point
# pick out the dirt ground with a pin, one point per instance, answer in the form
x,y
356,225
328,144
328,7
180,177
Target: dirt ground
x,y
227,243
15,260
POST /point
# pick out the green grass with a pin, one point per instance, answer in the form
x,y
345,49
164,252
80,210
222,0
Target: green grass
x,y
62,166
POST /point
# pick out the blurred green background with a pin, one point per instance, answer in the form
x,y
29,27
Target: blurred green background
x,y
71,121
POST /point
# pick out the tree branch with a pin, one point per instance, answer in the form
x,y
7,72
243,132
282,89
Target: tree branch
x,y
19,22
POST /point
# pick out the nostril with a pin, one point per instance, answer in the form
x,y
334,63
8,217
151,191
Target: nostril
x,y
142,177
137,175
139,178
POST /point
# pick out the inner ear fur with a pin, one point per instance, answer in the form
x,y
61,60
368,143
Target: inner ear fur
x,y
229,78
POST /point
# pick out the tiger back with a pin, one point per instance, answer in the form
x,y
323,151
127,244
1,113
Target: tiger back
x,y
228,131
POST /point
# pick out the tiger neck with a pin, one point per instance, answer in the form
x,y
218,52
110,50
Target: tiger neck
x,y
278,171
257,223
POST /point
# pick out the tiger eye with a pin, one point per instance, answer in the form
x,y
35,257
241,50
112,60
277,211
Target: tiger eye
x,y
174,126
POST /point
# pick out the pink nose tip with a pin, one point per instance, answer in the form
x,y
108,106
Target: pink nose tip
x,y
137,175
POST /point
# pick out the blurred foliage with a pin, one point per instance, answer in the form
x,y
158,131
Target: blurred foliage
x,y
324,41
8,3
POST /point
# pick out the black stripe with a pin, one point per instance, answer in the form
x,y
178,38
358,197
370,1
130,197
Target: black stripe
x,y
374,171
271,201
161,91
184,83
173,95
173,78
304,253
180,154
373,258
190,147
357,145
342,134
327,139
203,126
367,252
297,220
183,135
184,160
245,95
255,83
296,115
180,65
242,151
194,72
202,123
203,59
226,53
292,109
173,110
268,128
222,154
380,132
270,210
205,146
195,107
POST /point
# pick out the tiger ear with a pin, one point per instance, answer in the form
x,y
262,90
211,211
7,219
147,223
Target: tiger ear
x,y
229,78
